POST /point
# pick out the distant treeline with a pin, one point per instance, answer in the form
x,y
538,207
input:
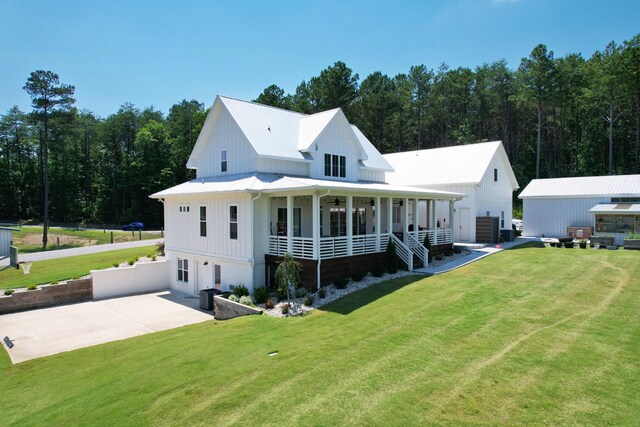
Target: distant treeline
x,y
566,116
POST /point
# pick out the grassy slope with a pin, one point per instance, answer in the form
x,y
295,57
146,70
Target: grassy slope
x,y
69,267
528,336
97,235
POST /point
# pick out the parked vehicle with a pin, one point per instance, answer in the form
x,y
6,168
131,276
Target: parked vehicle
x,y
517,224
134,226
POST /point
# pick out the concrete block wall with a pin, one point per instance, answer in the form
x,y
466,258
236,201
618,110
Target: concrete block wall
x,y
137,279
48,295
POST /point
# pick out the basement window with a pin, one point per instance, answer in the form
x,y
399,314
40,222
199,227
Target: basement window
x,y
183,270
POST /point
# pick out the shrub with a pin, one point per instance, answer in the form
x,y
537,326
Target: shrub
x,y
234,298
427,244
160,248
391,262
261,294
340,283
377,271
301,292
132,260
287,274
9,291
247,300
32,287
308,301
322,292
240,290
358,276
284,308
153,257
281,292
116,264
269,304
457,249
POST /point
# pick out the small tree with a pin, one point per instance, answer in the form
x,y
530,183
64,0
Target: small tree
x,y
288,274
427,244
391,256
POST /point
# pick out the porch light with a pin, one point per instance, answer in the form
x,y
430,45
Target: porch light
x,y
372,203
337,202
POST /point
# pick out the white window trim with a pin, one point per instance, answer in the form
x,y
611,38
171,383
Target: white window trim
x,y
178,269
200,221
237,222
224,153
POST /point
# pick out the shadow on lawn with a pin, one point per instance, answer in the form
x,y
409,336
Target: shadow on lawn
x,y
361,298
528,245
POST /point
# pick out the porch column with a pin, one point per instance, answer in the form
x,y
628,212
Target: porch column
x,y
451,218
349,213
377,223
315,227
415,218
389,215
405,219
290,224
432,221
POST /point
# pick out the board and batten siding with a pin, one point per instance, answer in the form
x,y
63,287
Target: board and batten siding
x,y
336,138
226,135
5,242
551,216
370,175
283,167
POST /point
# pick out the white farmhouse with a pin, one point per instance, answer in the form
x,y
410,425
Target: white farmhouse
x,y
270,181
482,172
607,205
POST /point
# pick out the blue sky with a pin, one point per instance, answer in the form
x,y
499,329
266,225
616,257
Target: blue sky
x,y
160,52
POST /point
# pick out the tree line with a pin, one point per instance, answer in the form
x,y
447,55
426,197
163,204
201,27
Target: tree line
x,y
557,116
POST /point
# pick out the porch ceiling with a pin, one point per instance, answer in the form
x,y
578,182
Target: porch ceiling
x,y
271,183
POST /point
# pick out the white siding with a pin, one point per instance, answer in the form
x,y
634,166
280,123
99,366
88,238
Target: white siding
x,y
283,167
226,135
551,217
495,197
371,175
336,138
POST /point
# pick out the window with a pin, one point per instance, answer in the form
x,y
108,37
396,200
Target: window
x,y
233,222
335,165
183,270
488,213
217,277
203,221
501,219
223,161
337,222
396,214
359,221
183,208
495,175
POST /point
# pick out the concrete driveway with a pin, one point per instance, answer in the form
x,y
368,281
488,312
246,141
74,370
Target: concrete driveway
x,y
53,330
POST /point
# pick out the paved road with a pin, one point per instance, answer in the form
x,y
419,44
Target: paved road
x,y
61,253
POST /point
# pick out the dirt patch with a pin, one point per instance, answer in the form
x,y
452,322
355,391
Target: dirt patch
x,y
36,240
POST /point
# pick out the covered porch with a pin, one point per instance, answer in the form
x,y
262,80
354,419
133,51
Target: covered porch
x,y
330,224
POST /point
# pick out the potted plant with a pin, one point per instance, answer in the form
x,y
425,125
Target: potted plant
x,y
632,241
583,243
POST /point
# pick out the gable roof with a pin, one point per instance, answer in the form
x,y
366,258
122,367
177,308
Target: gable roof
x,y
278,133
585,186
459,164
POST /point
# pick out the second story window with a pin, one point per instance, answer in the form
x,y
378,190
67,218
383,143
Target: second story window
x,y
495,175
335,165
223,161
203,221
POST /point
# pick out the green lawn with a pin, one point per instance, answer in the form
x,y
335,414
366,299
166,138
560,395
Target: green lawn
x,y
29,238
69,267
540,336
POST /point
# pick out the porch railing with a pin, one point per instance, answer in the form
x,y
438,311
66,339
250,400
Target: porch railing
x,y
440,236
403,252
330,247
418,249
301,247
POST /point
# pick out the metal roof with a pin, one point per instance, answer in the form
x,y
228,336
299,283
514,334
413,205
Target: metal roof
x,y
288,135
459,164
271,183
586,186
616,208
9,228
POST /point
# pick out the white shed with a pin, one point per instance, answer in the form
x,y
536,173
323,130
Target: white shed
x,y
5,240
605,203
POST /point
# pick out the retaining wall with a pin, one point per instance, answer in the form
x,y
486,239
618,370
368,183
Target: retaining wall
x,y
48,295
136,279
223,309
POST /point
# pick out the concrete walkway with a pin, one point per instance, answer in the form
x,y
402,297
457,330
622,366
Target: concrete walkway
x,y
475,255
53,330
61,253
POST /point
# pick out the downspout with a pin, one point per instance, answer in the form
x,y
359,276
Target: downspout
x,y
317,242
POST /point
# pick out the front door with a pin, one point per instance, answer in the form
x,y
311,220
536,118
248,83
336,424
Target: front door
x,y
465,215
205,276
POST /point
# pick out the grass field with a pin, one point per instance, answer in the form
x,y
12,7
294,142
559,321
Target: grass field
x,y
29,238
69,267
527,336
